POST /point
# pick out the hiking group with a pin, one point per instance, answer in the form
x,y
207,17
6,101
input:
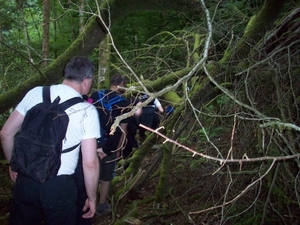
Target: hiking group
x,y
60,147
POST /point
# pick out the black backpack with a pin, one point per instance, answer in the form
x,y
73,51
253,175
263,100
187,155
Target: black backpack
x,y
38,145
104,105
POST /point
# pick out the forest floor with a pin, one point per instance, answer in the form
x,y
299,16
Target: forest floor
x,y
6,186
187,193
182,197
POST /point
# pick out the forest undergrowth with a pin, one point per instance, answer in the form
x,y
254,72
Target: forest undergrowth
x,y
199,191
190,187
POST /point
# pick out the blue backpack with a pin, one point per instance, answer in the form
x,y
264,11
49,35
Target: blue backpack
x,y
104,106
38,145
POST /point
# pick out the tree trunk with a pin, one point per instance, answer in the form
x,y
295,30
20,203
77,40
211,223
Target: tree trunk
x,y
20,4
162,186
104,62
87,41
83,45
46,25
256,29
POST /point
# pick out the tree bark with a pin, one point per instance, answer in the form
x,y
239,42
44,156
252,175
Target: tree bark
x,y
24,27
46,25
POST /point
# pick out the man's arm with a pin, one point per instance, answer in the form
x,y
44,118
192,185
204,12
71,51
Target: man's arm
x,y
7,134
90,164
158,106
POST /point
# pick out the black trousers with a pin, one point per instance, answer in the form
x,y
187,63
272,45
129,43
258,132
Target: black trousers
x,y
81,195
53,202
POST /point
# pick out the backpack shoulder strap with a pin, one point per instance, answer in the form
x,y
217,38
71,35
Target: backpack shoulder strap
x,y
71,102
115,99
70,149
108,103
46,94
102,98
64,106
101,95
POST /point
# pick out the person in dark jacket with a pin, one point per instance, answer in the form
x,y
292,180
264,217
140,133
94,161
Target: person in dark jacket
x,y
149,116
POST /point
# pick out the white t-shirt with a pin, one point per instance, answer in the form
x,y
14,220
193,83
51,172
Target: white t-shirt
x,y
157,103
83,121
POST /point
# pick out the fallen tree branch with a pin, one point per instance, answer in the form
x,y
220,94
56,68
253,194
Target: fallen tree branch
x,y
221,161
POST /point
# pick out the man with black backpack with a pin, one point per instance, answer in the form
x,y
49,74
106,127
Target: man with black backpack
x,y
110,104
46,194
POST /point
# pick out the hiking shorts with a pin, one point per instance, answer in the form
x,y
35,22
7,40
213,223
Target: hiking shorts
x,y
108,167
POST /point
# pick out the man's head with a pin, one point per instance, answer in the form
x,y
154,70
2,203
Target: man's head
x,y
80,70
117,82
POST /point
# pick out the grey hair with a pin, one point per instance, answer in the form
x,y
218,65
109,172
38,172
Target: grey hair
x,y
79,68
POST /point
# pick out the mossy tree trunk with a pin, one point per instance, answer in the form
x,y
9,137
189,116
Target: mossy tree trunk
x,y
87,41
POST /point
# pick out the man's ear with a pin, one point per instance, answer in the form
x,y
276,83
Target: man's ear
x,y
84,82
86,85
